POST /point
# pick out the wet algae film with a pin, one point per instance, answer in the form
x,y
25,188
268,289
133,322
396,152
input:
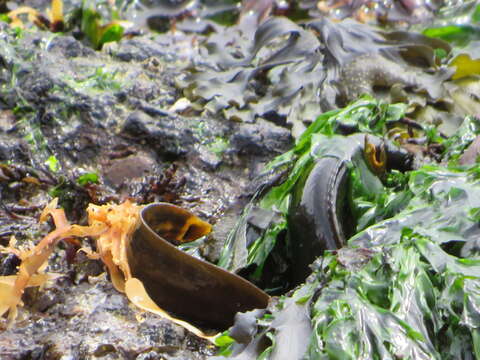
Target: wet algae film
x,y
239,179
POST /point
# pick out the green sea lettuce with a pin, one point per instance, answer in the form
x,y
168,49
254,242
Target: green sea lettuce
x,y
407,284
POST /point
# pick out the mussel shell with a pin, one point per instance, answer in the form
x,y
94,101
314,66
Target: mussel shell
x,y
186,287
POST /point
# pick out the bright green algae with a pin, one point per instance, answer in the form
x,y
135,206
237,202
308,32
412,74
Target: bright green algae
x,y
417,295
406,285
367,115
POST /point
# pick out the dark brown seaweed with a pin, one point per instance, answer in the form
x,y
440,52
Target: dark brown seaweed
x,y
183,285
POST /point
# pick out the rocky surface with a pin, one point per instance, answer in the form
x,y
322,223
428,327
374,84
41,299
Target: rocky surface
x,y
67,110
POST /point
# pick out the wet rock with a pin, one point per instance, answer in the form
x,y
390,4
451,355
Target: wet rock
x,y
159,332
166,353
165,134
123,170
103,350
116,302
135,126
211,160
169,48
28,352
36,4
261,138
151,355
41,301
39,87
8,264
94,320
138,49
7,120
13,148
69,47
86,268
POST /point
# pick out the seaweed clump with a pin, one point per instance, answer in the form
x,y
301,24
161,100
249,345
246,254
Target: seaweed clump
x,y
406,283
136,243
112,226
291,73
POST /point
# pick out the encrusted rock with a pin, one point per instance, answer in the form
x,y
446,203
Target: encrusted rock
x,y
69,47
261,138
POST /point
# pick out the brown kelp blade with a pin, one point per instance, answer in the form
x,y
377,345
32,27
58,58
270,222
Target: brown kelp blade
x,y
184,286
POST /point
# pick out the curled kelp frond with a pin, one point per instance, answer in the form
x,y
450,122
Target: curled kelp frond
x,y
133,242
122,222
175,224
184,285
321,216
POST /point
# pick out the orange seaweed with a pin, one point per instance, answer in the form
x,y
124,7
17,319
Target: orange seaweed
x,y
112,226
